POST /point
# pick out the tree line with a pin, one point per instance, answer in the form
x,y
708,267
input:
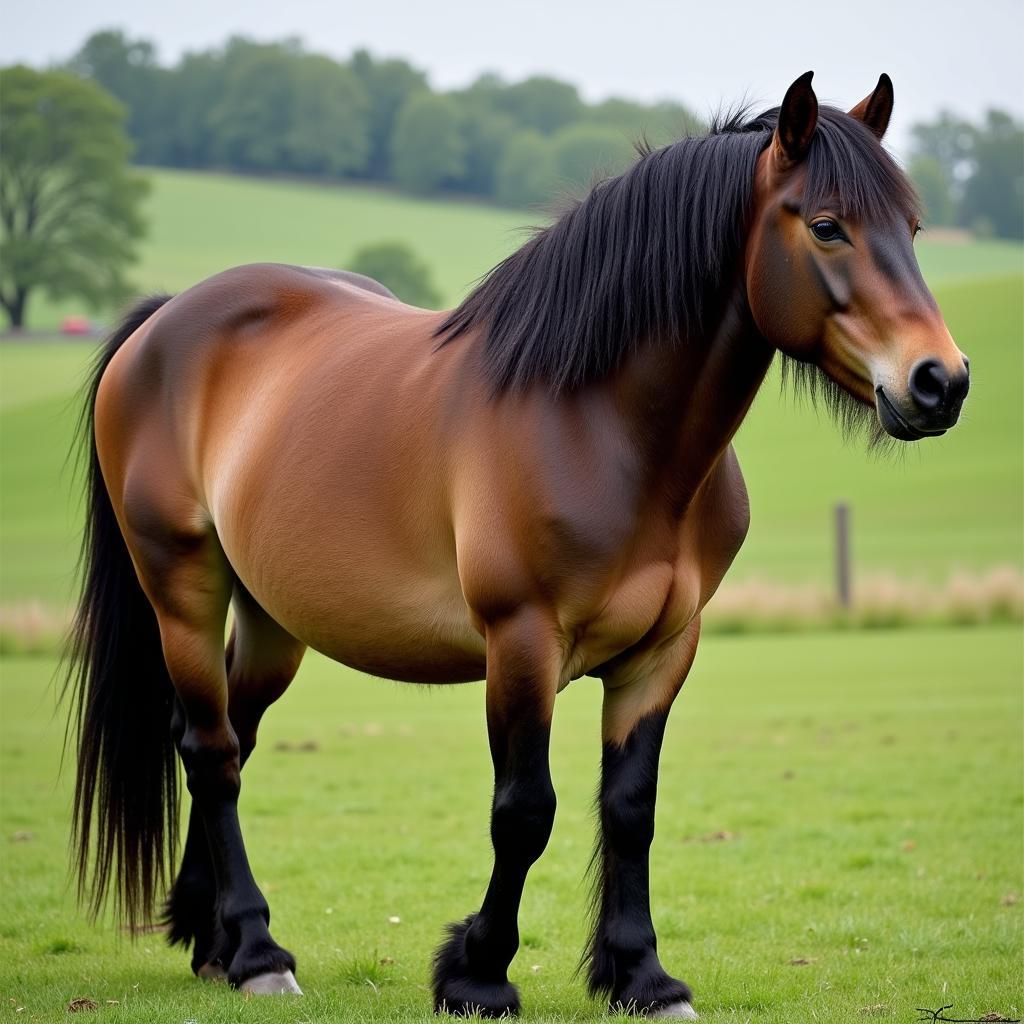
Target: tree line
x,y
70,205
971,175
277,108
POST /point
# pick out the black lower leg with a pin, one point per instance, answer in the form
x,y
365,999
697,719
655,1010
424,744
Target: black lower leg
x,y
623,959
191,912
471,967
191,909
241,935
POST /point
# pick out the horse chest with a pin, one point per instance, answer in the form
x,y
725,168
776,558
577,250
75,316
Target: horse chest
x,y
629,612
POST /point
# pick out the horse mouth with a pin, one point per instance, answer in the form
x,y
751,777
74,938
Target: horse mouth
x,y
895,423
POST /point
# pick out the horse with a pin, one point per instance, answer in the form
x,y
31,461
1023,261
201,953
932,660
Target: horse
x,y
535,486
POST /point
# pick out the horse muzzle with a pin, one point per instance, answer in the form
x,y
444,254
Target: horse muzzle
x,y
930,405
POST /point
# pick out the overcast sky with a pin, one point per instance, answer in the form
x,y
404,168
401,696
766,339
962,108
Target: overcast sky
x,y
965,56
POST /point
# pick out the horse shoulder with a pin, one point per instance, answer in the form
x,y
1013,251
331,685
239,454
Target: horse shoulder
x,y
709,536
722,516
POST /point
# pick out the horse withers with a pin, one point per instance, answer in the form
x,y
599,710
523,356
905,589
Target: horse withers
x,y
535,486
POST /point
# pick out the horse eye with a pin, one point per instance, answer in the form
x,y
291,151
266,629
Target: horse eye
x,y
826,230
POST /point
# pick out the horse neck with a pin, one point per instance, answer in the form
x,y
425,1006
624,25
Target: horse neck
x,y
685,401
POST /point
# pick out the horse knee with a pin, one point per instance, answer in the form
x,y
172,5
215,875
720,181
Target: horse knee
x,y
522,818
212,764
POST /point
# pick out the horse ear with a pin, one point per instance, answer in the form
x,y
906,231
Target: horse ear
x,y
876,109
798,117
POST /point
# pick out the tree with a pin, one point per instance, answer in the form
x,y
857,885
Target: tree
x,y
934,188
395,266
972,174
286,110
486,133
69,203
525,174
660,124
427,148
388,84
993,199
542,103
128,70
582,152
949,140
194,87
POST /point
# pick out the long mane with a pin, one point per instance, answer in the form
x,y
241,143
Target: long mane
x,y
650,256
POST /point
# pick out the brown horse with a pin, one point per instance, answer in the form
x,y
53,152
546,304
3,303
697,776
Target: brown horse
x,y
535,486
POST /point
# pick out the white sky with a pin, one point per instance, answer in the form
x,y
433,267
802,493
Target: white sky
x,y
964,56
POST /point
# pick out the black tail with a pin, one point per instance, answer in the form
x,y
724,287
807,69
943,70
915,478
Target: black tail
x,y
121,700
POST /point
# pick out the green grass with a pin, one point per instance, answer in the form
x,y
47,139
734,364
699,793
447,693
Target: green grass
x,y
869,783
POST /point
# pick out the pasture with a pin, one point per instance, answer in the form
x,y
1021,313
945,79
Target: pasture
x,y
840,821
852,801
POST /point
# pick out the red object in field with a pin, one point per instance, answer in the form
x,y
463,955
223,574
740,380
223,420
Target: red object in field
x,y
75,325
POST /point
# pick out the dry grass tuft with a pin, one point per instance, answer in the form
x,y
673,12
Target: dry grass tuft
x,y
881,601
31,629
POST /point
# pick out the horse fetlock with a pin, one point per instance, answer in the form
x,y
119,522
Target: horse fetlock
x,y
469,978
648,991
257,957
468,997
236,914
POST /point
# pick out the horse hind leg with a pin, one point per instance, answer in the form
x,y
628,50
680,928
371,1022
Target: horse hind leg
x,y
189,582
262,659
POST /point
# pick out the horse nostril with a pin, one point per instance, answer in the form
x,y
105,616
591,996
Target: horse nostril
x,y
929,383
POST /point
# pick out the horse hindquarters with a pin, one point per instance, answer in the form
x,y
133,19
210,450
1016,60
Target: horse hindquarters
x,y
188,582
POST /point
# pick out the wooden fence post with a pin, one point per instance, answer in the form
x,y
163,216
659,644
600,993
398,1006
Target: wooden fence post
x,y
843,587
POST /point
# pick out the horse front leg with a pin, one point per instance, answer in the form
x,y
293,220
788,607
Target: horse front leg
x,y
623,955
471,966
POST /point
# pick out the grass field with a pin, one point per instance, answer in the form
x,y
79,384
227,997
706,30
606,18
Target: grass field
x,y
865,788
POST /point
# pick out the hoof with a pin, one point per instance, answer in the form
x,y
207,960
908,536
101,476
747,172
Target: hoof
x,y
274,983
677,1011
464,998
213,971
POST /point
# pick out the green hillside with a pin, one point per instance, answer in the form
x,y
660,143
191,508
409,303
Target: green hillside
x,y
935,506
202,223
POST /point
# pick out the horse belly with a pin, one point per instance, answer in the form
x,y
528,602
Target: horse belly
x,y
371,615
432,643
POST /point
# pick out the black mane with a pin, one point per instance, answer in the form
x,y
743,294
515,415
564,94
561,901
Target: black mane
x,y
650,255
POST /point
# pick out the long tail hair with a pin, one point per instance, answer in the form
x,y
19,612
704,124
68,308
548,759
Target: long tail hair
x,y
126,789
